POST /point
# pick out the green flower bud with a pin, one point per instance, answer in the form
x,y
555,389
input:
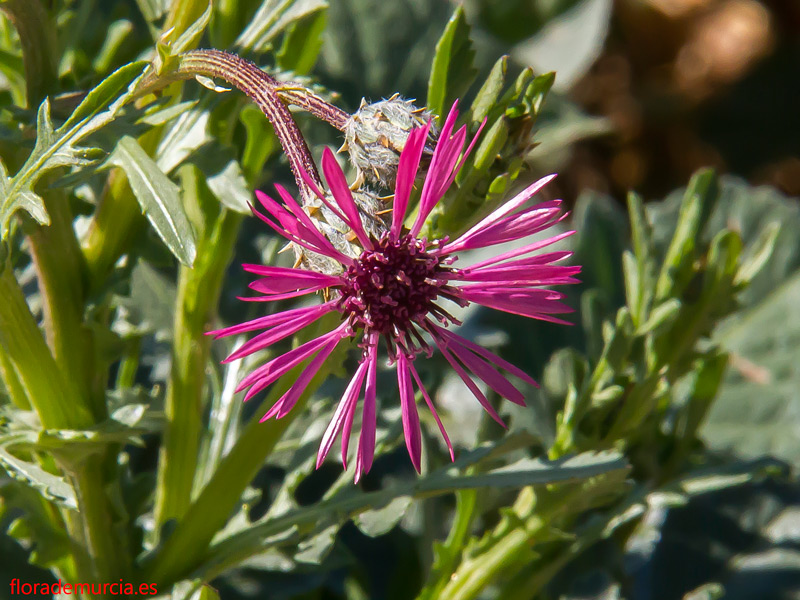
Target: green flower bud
x,y
376,135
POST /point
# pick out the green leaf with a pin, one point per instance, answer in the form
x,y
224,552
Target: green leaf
x,y
302,43
273,17
192,34
159,198
757,411
58,148
382,520
452,71
153,10
351,501
261,141
102,96
37,529
698,202
487,96
150,307
49,486
193,590
184,136
224,176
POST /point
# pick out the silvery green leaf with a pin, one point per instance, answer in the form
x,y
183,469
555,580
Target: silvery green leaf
x,y
452,71
49,486
159,198
185,135
149,309
380,521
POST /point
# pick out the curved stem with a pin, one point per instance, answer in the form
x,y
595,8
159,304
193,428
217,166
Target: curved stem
x,y
266,92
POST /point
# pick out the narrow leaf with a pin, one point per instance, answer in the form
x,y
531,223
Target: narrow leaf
x,y
159,198
452,71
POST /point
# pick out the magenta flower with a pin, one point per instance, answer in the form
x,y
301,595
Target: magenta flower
x,y
397,290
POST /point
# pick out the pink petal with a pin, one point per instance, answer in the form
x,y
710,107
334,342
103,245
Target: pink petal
x,y
524,274
273,335
487,406
432,409
490,356
286,403
366,442
309,228
536,304
344,413
341,193
407,174
502,211
411,428
273,369
277,290
532,247
468,151
289,272
294,232
275,319
488,374
519,225
440,176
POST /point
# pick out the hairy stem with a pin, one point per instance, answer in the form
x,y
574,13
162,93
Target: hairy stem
x,y
260,87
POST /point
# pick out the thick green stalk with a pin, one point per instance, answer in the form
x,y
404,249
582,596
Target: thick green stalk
x,y
14,386
58,403
53,396
198,293
61,269
535,517
225,23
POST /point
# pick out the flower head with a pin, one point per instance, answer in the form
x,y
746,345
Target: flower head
x,y
395,293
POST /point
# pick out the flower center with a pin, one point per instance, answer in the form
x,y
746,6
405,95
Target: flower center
x,y
393,285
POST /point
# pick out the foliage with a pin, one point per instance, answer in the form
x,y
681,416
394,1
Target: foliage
x,y
126,454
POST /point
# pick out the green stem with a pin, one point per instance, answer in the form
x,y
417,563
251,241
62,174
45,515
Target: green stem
x,y
60,268
198,293
126,375
37,37
14,387
58,404
109,559
53,396
450,553
513,540
225,23
117,221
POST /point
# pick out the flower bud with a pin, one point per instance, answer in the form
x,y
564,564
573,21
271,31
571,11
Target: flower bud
x,y
370,205
377,133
